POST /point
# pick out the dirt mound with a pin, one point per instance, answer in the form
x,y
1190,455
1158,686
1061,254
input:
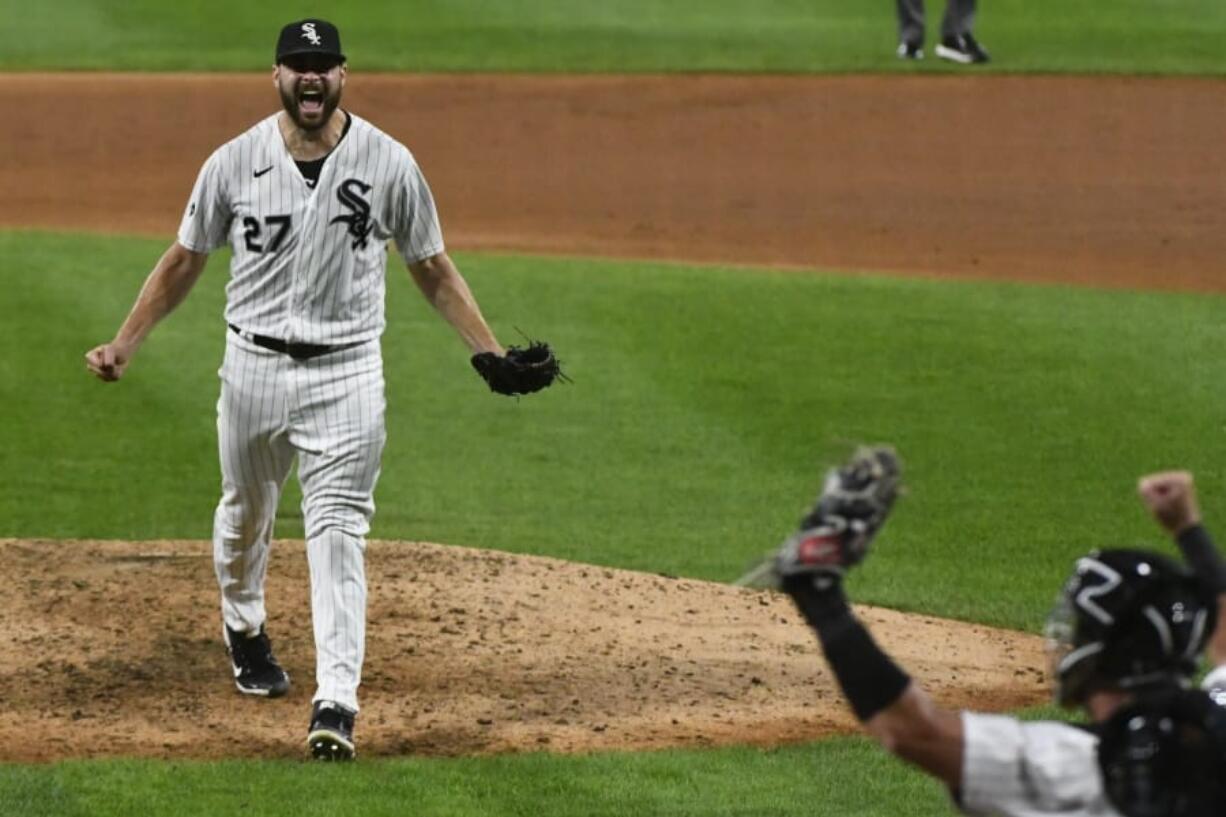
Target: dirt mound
x,y
114,648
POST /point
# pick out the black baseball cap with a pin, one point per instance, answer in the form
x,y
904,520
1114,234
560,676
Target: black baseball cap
x,y
311,36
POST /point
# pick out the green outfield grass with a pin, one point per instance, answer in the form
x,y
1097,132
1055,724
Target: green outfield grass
x,y
705,403
1127,36
839,777
844,777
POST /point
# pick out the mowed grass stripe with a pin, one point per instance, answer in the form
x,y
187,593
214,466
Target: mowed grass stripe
x,y
705,403
838,777
1128,36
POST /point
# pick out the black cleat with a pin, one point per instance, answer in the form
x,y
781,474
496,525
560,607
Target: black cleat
x,y
331,734
910,51
978,53
256,671
965,50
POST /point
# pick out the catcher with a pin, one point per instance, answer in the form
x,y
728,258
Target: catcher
x,y
1127,632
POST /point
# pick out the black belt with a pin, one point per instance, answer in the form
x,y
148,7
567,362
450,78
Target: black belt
x,y
298,351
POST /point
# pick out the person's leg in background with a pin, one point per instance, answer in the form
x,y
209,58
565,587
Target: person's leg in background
x,y
958,42
910,29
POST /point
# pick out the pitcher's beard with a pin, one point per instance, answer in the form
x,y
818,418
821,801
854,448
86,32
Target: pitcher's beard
x,y
290,100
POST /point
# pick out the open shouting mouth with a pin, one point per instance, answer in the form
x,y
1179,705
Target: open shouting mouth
x,y
311,101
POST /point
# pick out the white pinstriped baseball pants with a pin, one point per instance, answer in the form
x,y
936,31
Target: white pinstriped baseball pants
x,y
329,412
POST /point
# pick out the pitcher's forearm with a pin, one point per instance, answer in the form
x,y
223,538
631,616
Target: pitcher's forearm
x,y
172,278
454,301
447,291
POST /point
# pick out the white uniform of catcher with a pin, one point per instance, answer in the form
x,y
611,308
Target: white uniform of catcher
x,y
1036,769
308,271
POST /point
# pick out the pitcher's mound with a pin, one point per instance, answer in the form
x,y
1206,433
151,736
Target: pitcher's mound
x,y
114,648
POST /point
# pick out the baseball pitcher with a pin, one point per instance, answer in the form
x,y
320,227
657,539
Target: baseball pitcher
x,y
308,200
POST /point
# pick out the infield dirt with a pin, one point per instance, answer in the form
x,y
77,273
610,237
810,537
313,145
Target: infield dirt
x,y
1107,181
114,648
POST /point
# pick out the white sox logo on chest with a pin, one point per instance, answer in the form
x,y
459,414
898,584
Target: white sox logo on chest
x,y
349,193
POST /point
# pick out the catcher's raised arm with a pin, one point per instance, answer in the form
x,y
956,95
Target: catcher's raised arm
x,y
1126,633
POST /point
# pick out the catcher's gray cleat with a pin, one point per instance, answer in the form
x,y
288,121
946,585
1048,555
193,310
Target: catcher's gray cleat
x,y
850,510
331,733
256,671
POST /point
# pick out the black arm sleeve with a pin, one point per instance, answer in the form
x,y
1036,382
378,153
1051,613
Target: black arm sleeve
x,y
869,678
1198,548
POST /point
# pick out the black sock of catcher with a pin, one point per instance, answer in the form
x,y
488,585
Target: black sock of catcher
x,y
870,679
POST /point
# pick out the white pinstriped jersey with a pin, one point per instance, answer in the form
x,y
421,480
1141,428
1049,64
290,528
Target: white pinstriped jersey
x,y
1016,769
309,262
1215,684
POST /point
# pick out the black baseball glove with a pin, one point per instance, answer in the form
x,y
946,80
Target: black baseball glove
x,y
519,371
849,512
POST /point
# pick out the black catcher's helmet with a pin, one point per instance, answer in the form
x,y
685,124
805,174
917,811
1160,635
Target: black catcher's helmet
x,y
1128,619
1164,755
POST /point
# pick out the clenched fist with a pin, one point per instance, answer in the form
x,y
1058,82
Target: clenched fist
x,y
109,360
1171,497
